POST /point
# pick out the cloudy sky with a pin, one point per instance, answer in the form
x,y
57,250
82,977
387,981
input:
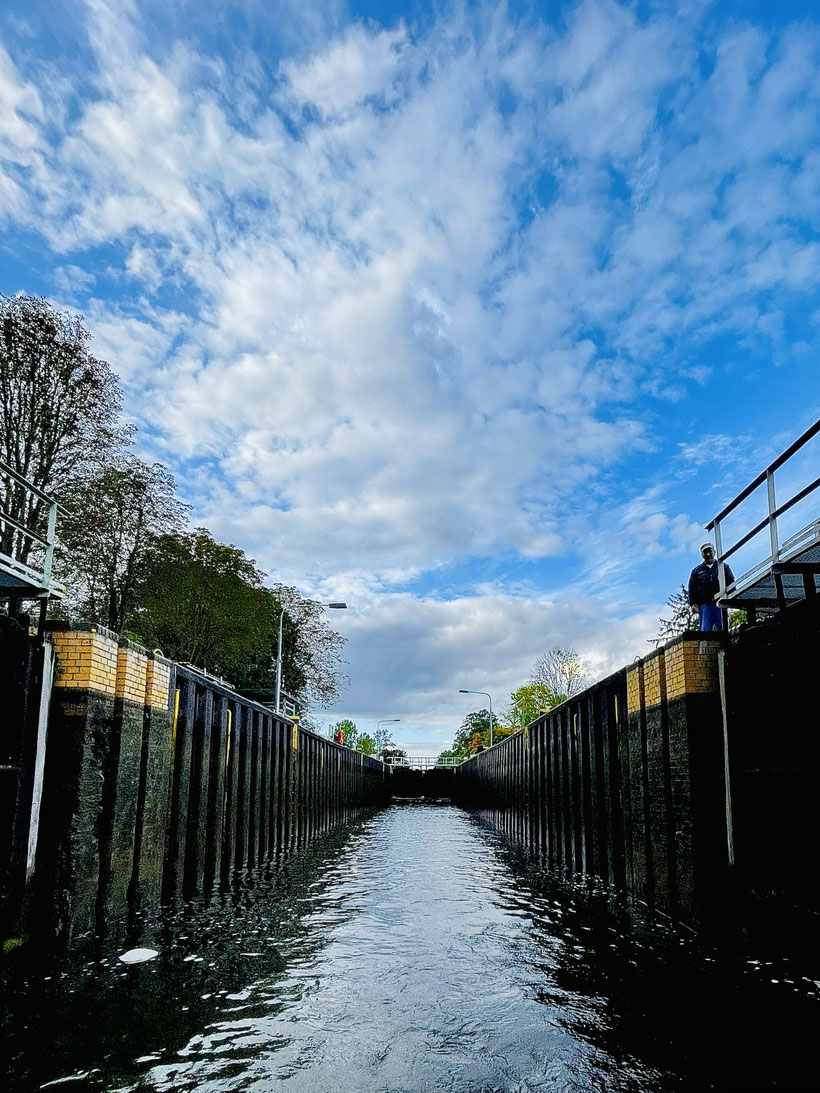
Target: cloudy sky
x,y
469,314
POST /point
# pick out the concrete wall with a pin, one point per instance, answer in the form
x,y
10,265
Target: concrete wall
x,y
159,784
626,781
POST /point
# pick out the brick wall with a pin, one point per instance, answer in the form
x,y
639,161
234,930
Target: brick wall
x,y
86,660
685,667
97,660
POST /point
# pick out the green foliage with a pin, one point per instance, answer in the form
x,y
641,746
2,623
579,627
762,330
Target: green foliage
x,y
529,702
389,753
562,671
682,619
349,730
365,743
203,603
107,531
451,753
58,409
737,618
475,732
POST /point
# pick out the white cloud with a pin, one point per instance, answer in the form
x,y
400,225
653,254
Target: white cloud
x,y
420,297
22,110
359,65
415,653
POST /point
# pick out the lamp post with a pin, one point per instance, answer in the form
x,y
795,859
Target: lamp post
x,y
385,721
461,691
277,699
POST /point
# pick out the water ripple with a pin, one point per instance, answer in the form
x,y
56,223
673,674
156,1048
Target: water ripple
x,y
418,955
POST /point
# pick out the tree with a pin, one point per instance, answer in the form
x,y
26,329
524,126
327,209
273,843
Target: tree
x,y
58,409
450,753
529,702
391,753
349,732
110,522
737,619
313,672
682,620
562,671
383,739
366,744
203,603
475,725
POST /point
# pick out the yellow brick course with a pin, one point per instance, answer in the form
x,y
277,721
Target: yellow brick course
x,y
687,667
86,659
692,668
95,661
634,689
132,671
654,680
157,684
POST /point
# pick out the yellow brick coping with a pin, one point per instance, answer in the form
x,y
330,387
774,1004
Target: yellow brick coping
x,y
95,659
684,666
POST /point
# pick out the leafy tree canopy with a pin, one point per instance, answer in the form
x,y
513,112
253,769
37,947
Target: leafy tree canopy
x,y
59,408
475,732
681,619
562,671
203,603
106,532
529,702
365,743
391,752
349,731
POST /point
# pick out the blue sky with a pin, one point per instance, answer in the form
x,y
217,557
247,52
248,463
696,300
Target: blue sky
x,y
472,315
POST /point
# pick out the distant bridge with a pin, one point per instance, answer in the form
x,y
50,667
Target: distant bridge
x,y
423,762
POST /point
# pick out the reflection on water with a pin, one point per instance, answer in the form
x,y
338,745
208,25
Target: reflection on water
x,y
416,954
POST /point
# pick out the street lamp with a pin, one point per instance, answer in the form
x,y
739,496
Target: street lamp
x,y
385,721
461,691
334,606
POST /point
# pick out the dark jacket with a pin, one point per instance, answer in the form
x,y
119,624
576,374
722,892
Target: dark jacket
x,y
704,584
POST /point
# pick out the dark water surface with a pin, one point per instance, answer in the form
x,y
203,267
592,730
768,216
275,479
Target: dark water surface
x,y
415,953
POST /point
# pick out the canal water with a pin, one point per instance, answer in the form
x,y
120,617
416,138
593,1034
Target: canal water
x,y
414,952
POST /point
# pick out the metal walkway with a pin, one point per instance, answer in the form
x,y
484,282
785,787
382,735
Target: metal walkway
x,y
790,571
28,522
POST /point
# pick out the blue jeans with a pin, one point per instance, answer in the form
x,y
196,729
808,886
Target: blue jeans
x,y
710,616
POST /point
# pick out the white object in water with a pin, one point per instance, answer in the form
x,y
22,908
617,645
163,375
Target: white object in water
x,y
138,956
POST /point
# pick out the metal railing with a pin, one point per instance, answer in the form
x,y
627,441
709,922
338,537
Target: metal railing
x,y
779,551
422,762
16,576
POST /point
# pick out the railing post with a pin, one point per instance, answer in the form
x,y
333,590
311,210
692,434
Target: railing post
x,y
721,565
772,518
50,535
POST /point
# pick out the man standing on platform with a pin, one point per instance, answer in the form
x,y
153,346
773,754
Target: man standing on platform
x,y
704,587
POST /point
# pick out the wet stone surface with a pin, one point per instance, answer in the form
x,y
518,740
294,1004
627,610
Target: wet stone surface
x,y
412,953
